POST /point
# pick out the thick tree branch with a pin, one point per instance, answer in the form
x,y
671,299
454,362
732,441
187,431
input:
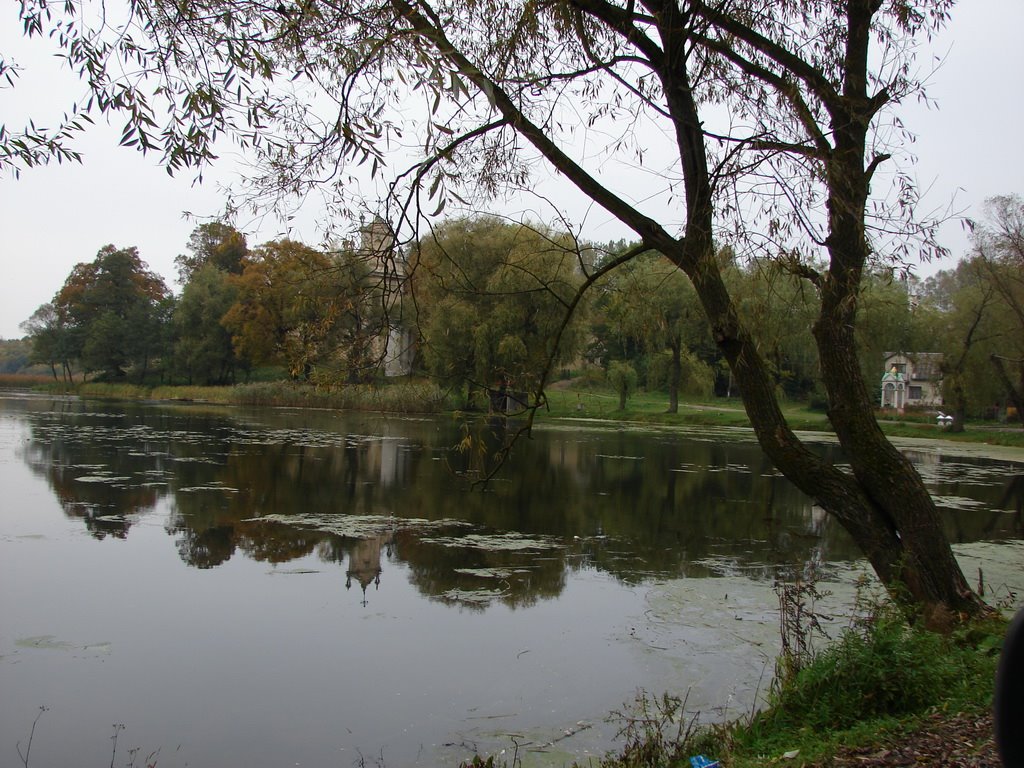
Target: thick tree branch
x,y
644,226
815,79
781,84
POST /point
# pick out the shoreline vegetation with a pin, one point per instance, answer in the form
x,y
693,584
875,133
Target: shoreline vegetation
x,y
564,401
884,693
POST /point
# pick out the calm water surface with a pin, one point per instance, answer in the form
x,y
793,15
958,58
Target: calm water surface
x,y
281,588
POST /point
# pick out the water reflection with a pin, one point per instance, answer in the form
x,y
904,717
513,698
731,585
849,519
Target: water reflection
x,y
365,492
213,576
1013,498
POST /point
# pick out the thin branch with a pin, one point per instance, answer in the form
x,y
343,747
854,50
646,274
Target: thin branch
x,y
815,79
540,399
646,227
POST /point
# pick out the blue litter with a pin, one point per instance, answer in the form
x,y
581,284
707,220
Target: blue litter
x,y
699,761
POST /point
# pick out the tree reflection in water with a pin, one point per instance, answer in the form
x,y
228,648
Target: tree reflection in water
x,y
364,491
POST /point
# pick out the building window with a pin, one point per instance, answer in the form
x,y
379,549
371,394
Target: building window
x,y
915,393
900,368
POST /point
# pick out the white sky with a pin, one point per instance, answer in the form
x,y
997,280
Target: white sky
x,y
54,217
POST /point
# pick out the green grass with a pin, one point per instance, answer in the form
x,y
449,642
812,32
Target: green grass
x,y
882,678
113,391
650,408
398,397
982,433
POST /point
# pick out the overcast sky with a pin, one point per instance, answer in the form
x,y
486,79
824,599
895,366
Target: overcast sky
x,y
54,217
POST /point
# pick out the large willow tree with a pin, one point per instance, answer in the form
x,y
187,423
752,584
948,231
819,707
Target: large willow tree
x,y
773,135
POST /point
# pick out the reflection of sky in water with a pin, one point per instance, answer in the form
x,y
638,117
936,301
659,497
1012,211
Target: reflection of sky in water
x,y
352,596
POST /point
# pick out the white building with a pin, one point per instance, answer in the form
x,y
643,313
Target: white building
x,y
912,378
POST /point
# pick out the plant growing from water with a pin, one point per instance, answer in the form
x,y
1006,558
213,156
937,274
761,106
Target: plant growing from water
x,y
31,735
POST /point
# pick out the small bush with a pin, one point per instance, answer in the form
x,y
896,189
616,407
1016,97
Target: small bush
x,y
623,378
817,401
881,668
590,377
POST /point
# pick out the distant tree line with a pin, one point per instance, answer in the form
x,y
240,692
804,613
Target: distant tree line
x,y
281,304
483,300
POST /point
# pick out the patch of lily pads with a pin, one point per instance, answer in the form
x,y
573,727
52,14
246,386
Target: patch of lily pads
x,y
958,502
356,526
496,542
476,597
492,573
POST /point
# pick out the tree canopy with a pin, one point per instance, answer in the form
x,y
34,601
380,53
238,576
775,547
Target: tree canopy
x,y
493,296
651,301
288,308
213,244
999,251
109,309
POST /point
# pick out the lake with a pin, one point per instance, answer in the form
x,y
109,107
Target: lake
x,y
223,586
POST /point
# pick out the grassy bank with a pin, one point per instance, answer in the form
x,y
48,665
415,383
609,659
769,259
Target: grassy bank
x,y
882,687
423,396
649,408
403,397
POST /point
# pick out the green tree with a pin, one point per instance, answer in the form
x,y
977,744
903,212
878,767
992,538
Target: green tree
x,y
652,301
367,311
779,306
493,296
152,345
51,340
15,354
113,309
203,348
623,378
954,307
884,324
999,247
806,85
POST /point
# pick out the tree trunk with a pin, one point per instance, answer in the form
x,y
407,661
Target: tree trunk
x,y
1015,394
926,568
883,504
959,404
675,374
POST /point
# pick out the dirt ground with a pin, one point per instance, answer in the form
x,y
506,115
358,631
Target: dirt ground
x,y
954,741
